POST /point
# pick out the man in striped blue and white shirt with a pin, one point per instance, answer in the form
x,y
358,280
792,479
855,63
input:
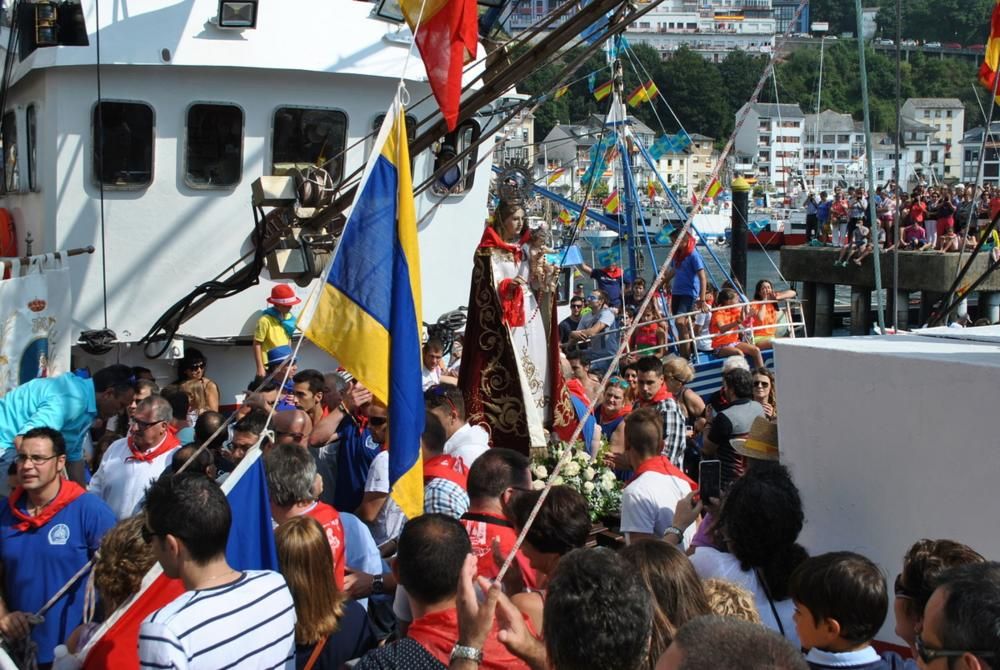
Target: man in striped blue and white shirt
x,y
226,618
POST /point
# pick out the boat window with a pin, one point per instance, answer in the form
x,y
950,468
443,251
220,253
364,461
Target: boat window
x,y
411,133
458,178
31,128
214,152
8,136
305,138
123,144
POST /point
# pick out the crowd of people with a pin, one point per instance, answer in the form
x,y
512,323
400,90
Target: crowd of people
x,y
113,469
935,218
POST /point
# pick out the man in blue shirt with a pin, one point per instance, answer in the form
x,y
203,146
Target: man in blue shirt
x,y
687,269
608,280
49,528
822,217
68,404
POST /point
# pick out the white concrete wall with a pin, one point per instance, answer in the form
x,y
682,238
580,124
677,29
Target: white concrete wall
x,y
891,440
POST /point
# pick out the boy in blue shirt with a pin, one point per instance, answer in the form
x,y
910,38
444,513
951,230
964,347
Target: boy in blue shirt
x,y
840,604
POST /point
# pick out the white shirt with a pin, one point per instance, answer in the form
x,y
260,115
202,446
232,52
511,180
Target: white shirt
x,y
121,480
468,443
389,522
648,504
252,625
430,377
710,562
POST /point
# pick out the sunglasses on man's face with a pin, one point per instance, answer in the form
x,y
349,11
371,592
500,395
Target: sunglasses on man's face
x,y
928,655
377,421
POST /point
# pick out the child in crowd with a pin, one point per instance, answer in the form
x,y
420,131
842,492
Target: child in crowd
x,y
857,245
841,602
728,599
725,326
947,240
275,326
702,320
914,237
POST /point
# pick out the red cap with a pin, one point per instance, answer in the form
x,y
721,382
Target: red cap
x,y
283,294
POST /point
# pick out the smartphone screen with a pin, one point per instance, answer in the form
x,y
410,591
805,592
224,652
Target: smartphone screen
x,y
710,480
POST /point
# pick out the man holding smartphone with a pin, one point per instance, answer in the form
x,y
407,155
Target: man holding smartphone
x,y
649,500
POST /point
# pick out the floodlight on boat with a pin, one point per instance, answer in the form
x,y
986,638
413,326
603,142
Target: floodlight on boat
x,y
237,15
388,10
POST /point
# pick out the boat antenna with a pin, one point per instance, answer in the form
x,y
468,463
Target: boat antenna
x,y
872,221
818,156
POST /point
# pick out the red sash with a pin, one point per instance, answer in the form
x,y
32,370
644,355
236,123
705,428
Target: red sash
x,y
446,467
661,395
492,240
438,632
169,443
575,387
662,465
68,492
329,518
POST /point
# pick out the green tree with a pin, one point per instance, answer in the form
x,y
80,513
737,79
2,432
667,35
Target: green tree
x,y
740,72
696,93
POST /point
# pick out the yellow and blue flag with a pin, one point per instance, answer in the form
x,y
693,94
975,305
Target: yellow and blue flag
x,y
368,315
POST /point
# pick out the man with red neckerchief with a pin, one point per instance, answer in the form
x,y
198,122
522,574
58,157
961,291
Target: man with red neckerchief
x,y
445,477
653,393
49,528
649,500
433,549
494,479
131,463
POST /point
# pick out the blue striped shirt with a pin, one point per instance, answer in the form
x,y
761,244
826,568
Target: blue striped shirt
x,y
249,623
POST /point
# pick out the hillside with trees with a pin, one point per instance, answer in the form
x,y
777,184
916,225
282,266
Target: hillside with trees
x,y
705,96
963,21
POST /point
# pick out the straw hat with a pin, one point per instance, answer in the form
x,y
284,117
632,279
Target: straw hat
x,y
762,443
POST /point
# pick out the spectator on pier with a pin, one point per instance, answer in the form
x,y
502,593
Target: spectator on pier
x,y
838,219
857,247
822,220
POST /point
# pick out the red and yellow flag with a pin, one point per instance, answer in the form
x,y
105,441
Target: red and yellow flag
x,y
643,93
988,70
612,203
713,189
447,37
603,91
650,189
554,175
560,92
565,217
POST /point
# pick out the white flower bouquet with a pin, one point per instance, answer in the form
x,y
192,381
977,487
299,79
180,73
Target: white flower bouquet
x,y
595,481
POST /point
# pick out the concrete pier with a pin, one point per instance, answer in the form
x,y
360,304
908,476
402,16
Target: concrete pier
x,y
928,272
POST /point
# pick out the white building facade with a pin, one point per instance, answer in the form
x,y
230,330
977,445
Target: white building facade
x,y
769,144
947,116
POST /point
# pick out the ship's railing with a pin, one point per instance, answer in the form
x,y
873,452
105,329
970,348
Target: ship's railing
x,y
786,307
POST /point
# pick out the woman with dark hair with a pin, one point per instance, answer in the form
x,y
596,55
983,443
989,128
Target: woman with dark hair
x,y
191,368
329,629
766,313
923,565
562,525
759,522
678,594
765,393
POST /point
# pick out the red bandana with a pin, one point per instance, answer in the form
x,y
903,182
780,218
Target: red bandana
x,y
68,492
170,442
575,386
492,240
661,395
446,467
662,465
438,632
613,272
603,418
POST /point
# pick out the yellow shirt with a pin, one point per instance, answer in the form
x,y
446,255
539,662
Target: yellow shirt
x,y
270,333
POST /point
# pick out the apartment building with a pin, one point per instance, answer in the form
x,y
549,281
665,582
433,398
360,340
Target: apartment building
x,y
769,144
947,117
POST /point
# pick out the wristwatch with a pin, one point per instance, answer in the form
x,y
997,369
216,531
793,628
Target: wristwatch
x,y
378,585
674,530
467,653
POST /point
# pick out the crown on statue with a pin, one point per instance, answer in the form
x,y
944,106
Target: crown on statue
x,y
514,184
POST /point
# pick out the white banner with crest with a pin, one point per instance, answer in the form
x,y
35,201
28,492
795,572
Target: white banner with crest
x,y
34,320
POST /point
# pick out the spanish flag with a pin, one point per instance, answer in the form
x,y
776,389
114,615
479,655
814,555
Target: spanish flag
x,y
713,189
612,203
368,315
603,91
644,93
560,92
650,189
554,176
447,37
988,70
565,217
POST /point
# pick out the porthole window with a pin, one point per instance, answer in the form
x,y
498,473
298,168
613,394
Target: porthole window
x,y
214,152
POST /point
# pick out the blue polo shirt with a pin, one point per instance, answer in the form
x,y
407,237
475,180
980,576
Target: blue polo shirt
x,y
686,280
355,452
610,285
38,562
66,403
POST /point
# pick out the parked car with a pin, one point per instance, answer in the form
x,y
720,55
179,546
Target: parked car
x,y
932,45
978,48
908,43
952,45
885,42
